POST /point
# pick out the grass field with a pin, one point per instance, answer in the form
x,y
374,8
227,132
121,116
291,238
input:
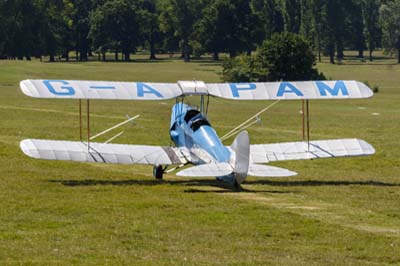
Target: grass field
x,y
335,212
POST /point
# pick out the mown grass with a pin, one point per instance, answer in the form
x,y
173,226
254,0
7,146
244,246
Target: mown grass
x,y
335,212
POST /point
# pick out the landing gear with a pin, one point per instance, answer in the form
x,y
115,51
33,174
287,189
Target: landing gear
x,y
237,187
158,172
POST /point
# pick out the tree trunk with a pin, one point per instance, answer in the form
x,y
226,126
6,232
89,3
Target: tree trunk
x,y
186,52
116,55
360,54
332,55
127,56
248,53
104,56
76,55
340,54
232,54
51,59
370,56
67,55
152,50
398,55
319,48
215,56
83,56
28,57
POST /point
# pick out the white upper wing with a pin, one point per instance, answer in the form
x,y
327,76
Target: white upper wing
x,y
291,90
74,89
263,153
99,152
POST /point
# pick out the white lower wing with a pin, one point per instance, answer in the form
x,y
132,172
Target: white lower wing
x,y
264,153
99,152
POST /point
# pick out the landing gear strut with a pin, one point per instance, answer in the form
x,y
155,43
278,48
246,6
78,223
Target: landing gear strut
x,y
158,172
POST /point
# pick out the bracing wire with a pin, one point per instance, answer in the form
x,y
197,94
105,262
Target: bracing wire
x,y
246,124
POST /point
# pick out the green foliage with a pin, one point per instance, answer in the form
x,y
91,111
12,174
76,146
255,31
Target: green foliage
x,y
116,24
57,27
287,56
242,68
370,9
390,20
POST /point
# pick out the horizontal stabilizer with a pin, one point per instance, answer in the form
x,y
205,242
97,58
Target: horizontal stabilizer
x,y
101,153
204,170
264,153
269,171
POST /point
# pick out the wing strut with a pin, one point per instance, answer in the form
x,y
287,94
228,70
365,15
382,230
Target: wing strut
x,y
305,115
88,123
308,124
80,119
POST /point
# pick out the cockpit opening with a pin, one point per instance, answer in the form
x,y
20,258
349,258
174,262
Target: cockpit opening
x,y
190,114
198,123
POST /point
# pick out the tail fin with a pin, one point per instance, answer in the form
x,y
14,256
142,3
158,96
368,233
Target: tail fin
x,y
241,147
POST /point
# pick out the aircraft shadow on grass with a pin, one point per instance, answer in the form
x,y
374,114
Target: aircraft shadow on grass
x,y
221,185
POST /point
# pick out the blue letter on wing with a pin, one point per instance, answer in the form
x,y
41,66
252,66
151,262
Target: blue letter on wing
x,y
339,86
66,90
143,88
236,87
287,87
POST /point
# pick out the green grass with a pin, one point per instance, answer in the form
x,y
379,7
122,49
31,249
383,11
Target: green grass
x,y
335,212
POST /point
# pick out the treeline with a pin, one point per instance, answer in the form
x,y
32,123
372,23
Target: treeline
x,y
55,28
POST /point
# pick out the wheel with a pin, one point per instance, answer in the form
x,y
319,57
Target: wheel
x,y
158,171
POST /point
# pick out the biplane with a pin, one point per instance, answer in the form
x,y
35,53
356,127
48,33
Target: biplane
x,y
196,142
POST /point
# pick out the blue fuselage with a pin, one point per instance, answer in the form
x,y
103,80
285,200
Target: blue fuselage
x,y
190,129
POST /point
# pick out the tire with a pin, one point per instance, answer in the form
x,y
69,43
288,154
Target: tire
x,y
158,172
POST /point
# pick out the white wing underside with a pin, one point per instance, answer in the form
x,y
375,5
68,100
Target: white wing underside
x,y
264,153
103,153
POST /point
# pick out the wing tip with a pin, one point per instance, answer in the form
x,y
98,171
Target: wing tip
x,y
365,91
27,87
366,147
28,148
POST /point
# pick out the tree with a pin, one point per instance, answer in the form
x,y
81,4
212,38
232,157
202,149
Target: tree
x,y
150,26
229,26
80,26
23,29
270,16
178,18
319,15
115,24
287,56
354,27
56,26
370,11
390,21
292,15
